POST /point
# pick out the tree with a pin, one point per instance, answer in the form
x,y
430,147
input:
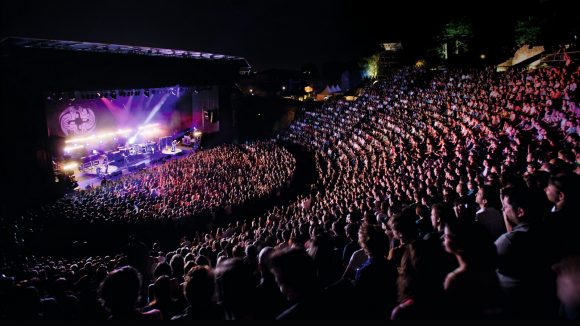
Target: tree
x,y
455,37
370,66
527,31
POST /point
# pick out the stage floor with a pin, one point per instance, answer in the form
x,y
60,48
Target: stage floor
x,y
168,151
89,177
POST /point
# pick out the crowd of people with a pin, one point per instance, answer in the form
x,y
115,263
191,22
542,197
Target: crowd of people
x,y
192,188
440,195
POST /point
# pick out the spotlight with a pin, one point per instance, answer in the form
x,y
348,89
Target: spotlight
x,y
70,166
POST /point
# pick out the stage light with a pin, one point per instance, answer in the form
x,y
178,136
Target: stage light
x,y
148,126
70,166
150,132
69,149
123,131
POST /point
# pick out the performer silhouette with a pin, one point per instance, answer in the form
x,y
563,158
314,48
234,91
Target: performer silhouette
x,y
106,163
126,160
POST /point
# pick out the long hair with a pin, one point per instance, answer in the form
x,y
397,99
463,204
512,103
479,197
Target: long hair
x,y
471,241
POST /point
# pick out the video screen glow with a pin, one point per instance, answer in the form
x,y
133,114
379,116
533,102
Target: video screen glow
x,y
169,108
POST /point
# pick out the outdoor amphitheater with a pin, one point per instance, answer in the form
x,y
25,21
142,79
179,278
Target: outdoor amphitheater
x,y
421,192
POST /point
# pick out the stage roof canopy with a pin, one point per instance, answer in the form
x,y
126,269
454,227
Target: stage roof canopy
x,y
55,65
33,43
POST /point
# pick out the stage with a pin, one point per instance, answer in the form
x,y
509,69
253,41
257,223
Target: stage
x,y
88,176
168,151
101,170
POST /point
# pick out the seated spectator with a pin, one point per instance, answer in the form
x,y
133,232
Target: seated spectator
x,y
163,301
568,285
472,289
523,264
375,280
420,287
271,301
236,289
200,294
563,222
295,274
120,293
488,215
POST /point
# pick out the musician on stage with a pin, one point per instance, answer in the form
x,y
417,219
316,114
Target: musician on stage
x,y
106,163
126,159
173,145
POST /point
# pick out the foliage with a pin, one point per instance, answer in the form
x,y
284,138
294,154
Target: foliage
x,y
527,31
370,66
455,37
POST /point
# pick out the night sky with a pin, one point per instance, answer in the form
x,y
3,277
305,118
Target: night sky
x,y
268,33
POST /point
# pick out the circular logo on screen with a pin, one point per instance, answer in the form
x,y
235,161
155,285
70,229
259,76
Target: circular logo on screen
x,y
77,121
